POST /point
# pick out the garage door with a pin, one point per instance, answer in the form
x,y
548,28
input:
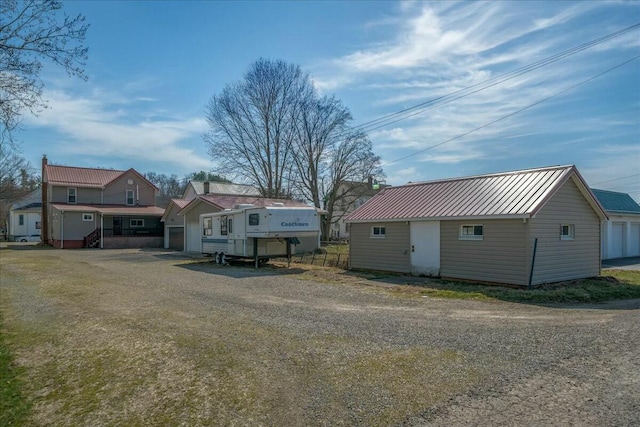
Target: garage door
x,y
176,238
617,240
634,243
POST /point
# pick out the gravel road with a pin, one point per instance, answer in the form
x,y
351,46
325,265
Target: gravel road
x,y
511,364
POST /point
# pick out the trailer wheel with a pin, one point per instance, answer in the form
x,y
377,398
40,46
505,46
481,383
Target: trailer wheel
x,y
220,259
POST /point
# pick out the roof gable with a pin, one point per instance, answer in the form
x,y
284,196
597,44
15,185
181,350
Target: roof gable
x,y
517,194
613,201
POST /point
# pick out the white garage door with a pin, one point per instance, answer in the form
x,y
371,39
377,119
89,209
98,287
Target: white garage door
x,y
617,240
634,243
194,242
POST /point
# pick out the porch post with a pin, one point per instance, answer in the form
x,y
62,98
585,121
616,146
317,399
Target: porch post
x,y
101,230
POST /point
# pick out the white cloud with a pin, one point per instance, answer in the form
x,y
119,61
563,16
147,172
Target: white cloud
x,y
111,127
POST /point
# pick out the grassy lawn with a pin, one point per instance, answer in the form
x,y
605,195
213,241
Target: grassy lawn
x,y
613,285
13,405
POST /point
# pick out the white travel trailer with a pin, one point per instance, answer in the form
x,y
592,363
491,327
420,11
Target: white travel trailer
x,y
257,233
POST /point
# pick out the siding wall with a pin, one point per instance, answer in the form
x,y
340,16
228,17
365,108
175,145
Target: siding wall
x,y
388,254
500,257
557,259
114,194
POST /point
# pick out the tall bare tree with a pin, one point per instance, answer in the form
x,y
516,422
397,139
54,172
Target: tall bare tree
x,y
32,31
252,129
333,162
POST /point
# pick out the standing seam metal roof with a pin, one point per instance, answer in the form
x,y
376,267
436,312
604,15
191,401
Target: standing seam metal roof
x,y
517,193
81,177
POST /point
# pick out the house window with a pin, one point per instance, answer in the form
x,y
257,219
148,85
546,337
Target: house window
x,y
567,232
223,225
378,232
471,232
136,222
87,217
130,201
254,219
20,219
71,195
207,229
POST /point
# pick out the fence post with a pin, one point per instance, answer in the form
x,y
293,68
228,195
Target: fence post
x,y
325,258
338,260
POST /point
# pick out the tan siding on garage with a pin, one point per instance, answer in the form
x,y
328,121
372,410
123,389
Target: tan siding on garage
x,y
558,259
388,254
499,257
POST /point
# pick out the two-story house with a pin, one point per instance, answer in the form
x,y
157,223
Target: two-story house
x,y
89,207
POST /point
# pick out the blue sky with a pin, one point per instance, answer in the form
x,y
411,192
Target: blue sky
x,y
154,65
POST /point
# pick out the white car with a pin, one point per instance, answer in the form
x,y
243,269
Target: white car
x,y
32,238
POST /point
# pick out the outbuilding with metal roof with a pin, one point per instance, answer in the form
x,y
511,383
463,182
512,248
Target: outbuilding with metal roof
x,y
621,233
522,227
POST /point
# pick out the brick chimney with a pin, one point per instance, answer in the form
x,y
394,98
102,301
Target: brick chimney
x,y
206,187
44,220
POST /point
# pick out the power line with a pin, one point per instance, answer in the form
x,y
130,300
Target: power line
x,y
517,111
617,179
450,97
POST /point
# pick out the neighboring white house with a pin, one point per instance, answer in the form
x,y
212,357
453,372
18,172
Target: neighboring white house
x,y
621,233
25,216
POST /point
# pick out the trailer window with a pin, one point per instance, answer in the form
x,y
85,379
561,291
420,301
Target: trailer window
x,y
254,219
206,227
223,225
229,225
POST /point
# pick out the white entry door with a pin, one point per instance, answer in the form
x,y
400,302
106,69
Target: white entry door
x,y
194,240
425,248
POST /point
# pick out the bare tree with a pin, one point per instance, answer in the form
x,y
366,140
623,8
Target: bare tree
x,y
252,125
32,31
169,187
333,162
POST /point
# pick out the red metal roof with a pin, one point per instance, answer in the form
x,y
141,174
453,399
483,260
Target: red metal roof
x,y
181,203
80,177
508,194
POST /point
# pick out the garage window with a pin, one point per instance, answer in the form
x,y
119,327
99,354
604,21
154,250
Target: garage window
x,y
87,217
378,232
567,232
471,232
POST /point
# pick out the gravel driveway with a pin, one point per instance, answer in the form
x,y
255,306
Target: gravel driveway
x,y
295,351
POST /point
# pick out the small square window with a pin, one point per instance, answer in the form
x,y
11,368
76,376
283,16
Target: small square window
x,y
71,195
254,219
136,222
130,200
471,232
567,232
378,232
87,217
